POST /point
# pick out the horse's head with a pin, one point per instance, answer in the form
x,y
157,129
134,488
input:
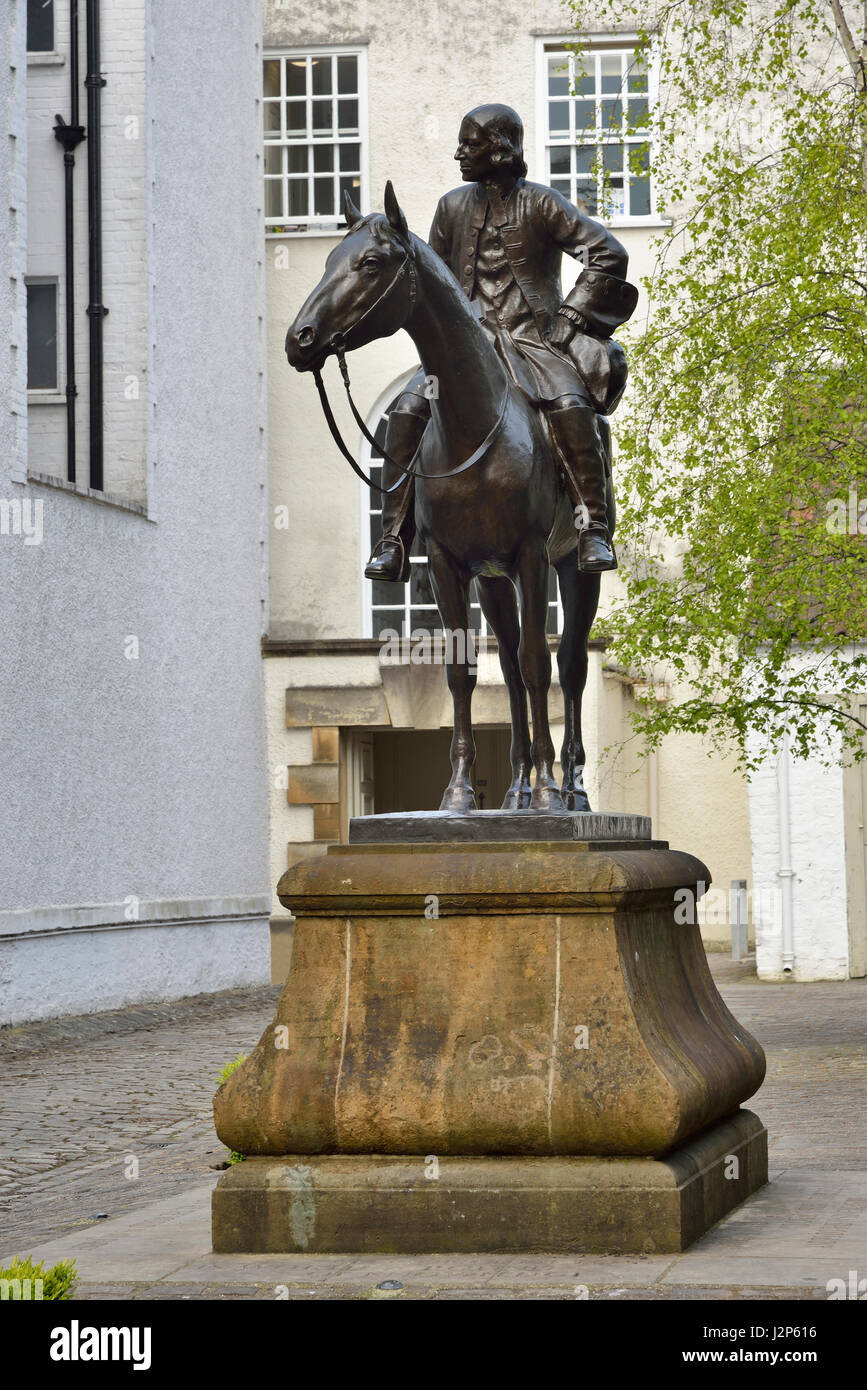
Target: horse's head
x,y
367,290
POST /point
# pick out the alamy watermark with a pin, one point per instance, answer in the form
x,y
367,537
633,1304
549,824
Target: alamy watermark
x,y
719,909
453,646
847,516
22,516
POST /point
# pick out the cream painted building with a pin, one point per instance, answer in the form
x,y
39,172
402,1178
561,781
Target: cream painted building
x,y
355,94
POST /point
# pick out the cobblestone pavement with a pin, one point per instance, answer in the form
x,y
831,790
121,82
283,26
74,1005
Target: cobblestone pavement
x,y
83,1098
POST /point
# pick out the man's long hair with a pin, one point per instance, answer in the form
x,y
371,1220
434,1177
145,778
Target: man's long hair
x,y
505,129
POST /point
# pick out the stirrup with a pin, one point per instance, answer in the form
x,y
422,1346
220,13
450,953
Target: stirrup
x,y
403,572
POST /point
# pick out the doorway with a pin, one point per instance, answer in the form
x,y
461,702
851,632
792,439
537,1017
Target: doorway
x,y
411,768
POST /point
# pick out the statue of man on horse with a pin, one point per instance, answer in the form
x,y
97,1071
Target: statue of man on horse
x,y
502,237
510,457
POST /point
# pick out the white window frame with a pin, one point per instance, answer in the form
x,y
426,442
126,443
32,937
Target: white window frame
x,y
369,501
549,46
336,226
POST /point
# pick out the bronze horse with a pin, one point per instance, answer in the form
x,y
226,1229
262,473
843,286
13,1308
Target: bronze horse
x,y
490,505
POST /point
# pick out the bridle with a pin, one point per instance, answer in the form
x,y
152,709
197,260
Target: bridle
x,y
337,345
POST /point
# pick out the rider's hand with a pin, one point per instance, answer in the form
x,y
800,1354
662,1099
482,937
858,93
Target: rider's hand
x,y
562,331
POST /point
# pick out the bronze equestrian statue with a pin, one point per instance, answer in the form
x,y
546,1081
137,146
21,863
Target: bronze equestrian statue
x,y
502,239
517,371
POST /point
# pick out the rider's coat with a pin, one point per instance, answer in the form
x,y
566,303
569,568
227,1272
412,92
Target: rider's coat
x,y
506,255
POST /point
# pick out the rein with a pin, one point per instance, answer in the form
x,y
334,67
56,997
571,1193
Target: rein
x,y
338,346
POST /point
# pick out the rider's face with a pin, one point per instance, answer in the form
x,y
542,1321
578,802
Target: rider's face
x,y
475,153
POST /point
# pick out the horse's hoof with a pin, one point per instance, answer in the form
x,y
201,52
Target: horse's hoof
x,y
547,798
458,800
517,798
576,799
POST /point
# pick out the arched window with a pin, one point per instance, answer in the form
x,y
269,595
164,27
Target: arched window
x,y
408,608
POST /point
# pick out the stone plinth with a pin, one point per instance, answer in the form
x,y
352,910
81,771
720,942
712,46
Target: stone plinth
x,y
348,1204
527,1014
491,998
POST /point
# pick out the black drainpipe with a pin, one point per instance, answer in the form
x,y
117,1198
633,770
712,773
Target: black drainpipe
x,y
70,136
96,311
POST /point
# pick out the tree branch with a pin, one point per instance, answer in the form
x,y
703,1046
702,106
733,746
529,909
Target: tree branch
x,y
848,42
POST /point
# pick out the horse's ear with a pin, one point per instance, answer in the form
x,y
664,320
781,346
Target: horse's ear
x,y
350,211
394,212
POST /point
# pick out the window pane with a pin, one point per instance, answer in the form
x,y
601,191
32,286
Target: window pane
x,y
637,75
639,112
42,336
639,197
585,115
296,117
612,158
271,111
639,160
323,158
375,528
558,117
350,158
273,159
347,117
615,198
347,74
323,195
610,63
385,593
297,159
321,75
350,184
586,198
296,77
272,77
585,158
561,161
273,197
611,115
298,201
551,625
40,26
388,620
558,76
322,117
563,186
585,82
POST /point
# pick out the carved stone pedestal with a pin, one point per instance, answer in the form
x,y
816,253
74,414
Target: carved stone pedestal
x,y
464,1001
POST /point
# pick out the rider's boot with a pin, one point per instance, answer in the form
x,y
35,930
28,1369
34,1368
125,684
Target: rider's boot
x,y
389,558
579,443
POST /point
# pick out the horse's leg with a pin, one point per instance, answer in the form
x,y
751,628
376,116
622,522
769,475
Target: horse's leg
x,y
451,589
500,607
535,659
580,596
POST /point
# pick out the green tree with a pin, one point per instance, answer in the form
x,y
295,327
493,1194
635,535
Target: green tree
x,y
741,444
